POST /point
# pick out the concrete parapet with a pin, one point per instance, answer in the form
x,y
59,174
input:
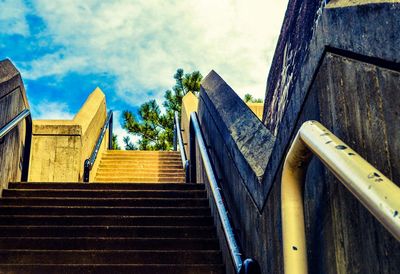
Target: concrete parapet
x,y
189,104
12,102
60,147
257,108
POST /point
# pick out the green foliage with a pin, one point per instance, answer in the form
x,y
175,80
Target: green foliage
x,y
128,144
248,98
154,128
115,142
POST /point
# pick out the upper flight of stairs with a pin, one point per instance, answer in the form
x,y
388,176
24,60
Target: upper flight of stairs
x,y
107,228
140,166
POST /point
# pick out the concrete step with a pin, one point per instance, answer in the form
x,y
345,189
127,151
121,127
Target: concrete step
x,y
142,202
114,268
135,156
110,256
140,152
139,173
105,193
110,186
108,231
82,243
100,210
144,169
106,220
127,179
142,165
149,162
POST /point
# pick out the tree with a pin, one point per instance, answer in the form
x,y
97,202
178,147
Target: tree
x,y
248,98
115,142
128,144
155,128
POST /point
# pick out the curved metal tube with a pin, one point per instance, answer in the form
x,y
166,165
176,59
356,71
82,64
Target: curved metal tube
x,y
178,135
25,114
243,267
90,161
375,191
14,122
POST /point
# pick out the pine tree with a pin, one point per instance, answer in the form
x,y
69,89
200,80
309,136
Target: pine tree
x,y
115,145
155,129
248,98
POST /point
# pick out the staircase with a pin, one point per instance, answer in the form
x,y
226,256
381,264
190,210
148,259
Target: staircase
x,y
107,228
140,166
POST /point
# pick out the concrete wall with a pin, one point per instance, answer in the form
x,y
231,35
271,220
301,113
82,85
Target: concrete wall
x,y
12,102
257,108
189,104
60,147
349,80
357,99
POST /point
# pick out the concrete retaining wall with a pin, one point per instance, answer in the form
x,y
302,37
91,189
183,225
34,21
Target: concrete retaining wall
x,y
60,147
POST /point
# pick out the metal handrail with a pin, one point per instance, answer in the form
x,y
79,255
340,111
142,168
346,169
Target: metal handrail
x,y
88,165
178,137
247,266
375,191
23,115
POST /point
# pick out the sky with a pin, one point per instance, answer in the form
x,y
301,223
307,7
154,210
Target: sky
x,y
131,49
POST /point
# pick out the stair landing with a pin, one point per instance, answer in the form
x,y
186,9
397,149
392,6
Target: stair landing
x,y
140,166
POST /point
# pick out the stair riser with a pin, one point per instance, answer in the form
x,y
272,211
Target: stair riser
x,y
149,161
105,194
105,221
139,166
137,180
114,211
105,186
144,157
134,173
107,269
110,257
93,231
108,244
105,202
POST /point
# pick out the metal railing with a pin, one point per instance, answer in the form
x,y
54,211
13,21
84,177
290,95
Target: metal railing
x,y
178,139
23,115
242,266
88,165
375,191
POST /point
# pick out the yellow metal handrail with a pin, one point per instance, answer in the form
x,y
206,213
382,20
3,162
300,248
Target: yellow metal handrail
x,y
375,191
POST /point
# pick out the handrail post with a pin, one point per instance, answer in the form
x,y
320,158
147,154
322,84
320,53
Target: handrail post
x,y
27,148
174,136
178,140
110,132
192,151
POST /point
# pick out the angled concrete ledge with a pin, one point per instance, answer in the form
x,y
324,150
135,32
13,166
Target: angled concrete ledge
x,y
60,147
235,135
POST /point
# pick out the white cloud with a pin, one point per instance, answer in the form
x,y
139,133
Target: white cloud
x,y
46,110
143,42
12,17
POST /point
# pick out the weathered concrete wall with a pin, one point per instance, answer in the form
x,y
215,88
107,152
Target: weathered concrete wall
x,y
338,64
60,147
12,102
359,102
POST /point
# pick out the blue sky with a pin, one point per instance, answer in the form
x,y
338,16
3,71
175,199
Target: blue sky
x,y
132,48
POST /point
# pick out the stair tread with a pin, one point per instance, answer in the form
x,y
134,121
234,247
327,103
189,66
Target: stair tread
x,y
108,227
